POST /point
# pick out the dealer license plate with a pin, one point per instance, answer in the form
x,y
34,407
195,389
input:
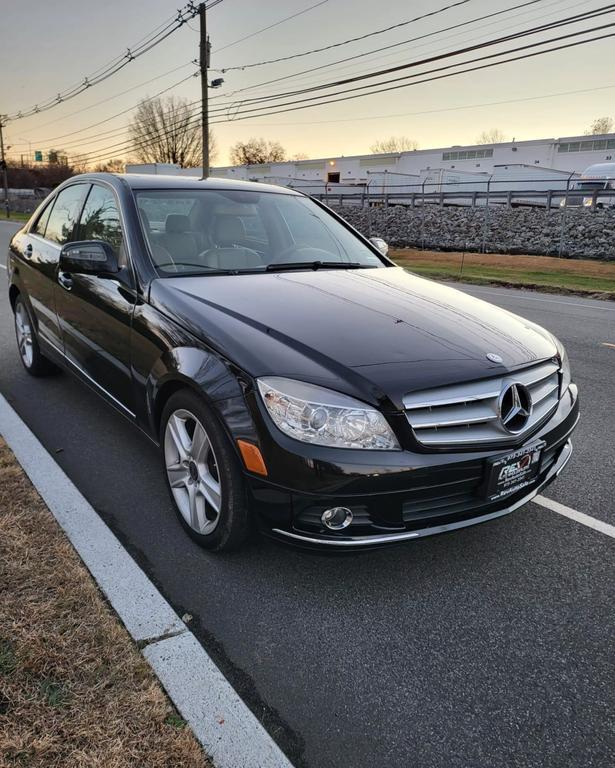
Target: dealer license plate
x,y
509,474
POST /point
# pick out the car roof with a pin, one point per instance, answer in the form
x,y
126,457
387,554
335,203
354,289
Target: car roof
x,y
155,181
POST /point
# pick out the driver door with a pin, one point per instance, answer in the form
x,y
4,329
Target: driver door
x,y
95,311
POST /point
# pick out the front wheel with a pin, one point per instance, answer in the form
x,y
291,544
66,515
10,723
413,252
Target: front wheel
x,y
203,473
35,363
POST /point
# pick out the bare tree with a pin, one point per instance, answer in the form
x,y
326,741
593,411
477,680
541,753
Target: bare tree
x,y
166,131
57,157
79,163
599,126
111,166
256,151
299,156
394,144
492,136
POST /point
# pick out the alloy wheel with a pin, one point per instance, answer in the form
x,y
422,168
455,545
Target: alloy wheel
x,y
192,471
24,334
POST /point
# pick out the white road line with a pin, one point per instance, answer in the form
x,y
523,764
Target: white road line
x,y
579,517
3,266
536,298
220,720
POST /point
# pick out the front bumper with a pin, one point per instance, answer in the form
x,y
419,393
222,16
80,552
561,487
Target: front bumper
x,y
433,493
375,540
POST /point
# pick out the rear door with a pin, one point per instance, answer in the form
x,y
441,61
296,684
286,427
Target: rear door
x,y
95,312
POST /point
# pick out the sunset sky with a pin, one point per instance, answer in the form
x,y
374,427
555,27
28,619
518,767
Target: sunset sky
x,y
46,47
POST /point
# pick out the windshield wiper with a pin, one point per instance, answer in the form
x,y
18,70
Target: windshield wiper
x,y
281,266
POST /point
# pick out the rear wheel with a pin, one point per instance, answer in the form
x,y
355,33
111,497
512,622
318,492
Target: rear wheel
x,y
203,473
31,356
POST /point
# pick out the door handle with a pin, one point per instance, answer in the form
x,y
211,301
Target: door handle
x,y
65,280
29,249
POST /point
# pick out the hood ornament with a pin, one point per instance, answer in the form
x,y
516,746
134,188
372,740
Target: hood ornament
x,y
494,358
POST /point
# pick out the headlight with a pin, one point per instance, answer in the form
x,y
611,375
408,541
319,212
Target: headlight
x,y
565,365
320,416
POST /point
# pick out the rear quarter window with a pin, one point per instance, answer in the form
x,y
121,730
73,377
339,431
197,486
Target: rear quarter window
x,y
41,223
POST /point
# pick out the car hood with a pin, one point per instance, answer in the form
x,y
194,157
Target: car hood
x,y
374,333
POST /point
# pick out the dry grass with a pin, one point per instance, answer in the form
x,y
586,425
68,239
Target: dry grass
x,y
583,276
74,690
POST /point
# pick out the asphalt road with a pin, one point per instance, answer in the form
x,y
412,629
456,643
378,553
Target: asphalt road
x,y
492,646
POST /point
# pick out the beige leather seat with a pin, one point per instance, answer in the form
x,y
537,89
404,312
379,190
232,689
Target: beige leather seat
x,y
178,240
229,231
230,251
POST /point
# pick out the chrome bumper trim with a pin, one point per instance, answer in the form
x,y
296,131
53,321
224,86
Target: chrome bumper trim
x,y
391,538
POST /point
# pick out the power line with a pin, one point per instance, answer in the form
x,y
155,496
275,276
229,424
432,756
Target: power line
x,y
54,139
459,108
265,106
147,43
374,56
295,106
458,52
118,131
271,26
350,40
102,101
388,47
418,82
102,122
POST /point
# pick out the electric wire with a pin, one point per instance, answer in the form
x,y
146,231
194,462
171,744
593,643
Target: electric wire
x,y
350,40
271,26
121,130
267,111
146,45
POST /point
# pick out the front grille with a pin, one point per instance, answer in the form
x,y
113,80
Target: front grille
x,y
468,414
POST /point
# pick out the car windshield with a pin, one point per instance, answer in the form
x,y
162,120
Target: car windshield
x,y
199,231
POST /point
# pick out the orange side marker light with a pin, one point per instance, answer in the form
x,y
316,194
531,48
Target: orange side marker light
x,y
252,457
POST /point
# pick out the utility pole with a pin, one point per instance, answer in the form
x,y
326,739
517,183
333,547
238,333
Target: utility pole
x,y
5,178
205,48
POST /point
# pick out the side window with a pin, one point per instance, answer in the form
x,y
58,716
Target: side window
x,y
100,219
39,227
61,224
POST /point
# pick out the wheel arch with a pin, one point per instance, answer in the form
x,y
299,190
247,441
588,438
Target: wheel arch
x,y
208,376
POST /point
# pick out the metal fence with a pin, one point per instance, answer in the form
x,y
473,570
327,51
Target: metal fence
x,y
544,215
492,191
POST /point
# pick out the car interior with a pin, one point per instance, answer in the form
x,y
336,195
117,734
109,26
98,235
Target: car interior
x,y
217,230
204,239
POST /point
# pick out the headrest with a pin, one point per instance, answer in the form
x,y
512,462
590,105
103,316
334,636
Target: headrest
x,y
230,229
175,223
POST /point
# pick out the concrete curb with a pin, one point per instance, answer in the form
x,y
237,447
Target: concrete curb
x,y
229,732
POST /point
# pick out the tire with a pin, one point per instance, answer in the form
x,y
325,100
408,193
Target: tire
x,y
33,360
205,481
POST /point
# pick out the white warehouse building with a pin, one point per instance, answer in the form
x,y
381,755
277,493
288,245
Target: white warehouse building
x,y
569,155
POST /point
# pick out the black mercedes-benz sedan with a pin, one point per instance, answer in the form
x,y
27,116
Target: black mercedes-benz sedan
x,y
291,374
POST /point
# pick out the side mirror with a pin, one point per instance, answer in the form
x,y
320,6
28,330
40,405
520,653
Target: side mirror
x,y
380,244
92,257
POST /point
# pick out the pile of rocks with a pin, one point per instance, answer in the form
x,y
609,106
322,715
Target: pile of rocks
x,y
575,232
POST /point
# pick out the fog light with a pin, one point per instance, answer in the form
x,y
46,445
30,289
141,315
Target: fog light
x,y
336,518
